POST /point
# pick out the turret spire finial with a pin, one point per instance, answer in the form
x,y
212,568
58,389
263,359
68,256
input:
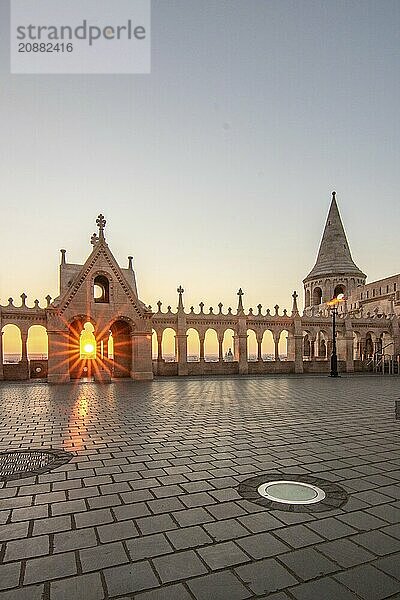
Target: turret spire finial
x,y
101,223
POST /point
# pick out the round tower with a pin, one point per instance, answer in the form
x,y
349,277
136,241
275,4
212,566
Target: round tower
x,y
334,271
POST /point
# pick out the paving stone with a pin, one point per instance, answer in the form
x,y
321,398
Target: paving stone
x,y
377,542
173,567
69,507
298,536
117,531
100,557
9,575
390,565
27,548
260,522
265,576
262,545
192,516
28,513
368,583
218,586
13,531
155,524
226,510
188,537
148,546
131,511
345,552
91,518
307,563
362,521
324,589
88,587
128,579
331,528
222,555
225,530
387,512
74,540
52,525
32,592
50,567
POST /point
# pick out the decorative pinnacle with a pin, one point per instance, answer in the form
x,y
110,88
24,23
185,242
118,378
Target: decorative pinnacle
x,y
23,298
101,223
333,195
295,310
180,291
48,299
130,263
240,303
94,239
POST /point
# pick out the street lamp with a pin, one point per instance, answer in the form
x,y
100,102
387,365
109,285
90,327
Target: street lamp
x,y
333,304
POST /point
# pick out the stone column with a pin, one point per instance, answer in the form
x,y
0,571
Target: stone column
x,y
58,362
24,358
259,352
349,340
159,335
201,338
290,347
276,347
1,355
312,349
298,353
181,345
142,363
220,348
241,343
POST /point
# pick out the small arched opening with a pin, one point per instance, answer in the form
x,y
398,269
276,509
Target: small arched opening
x,y
252,346
211,346
82,349
317,296
308,298
101,289
122,348
12,344
193,345
168,349
267,346
339,289
283,345
228,349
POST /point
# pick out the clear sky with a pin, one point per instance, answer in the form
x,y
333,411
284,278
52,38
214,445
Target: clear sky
x,y
215,171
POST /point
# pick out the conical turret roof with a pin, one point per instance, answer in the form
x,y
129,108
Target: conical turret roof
x,y
334,256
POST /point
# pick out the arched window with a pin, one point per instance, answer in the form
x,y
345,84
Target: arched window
x,y
339,289
87,342
317,296
101,290
308,298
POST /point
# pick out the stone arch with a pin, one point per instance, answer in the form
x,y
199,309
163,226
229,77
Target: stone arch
x,y
121,330
340,288
37,345
267,345
283,344
370,344
193,344
228,350
12,343
168,344
80,362
252,346
101,289
211,345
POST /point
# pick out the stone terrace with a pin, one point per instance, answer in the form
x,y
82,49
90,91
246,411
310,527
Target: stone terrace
x,y
148,508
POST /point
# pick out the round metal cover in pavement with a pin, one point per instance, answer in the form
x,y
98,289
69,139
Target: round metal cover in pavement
x,y
296,493
16,464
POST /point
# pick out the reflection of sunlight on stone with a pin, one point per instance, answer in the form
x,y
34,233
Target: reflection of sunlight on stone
x,y
82,406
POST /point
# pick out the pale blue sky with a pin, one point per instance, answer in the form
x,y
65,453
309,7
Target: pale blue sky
x,y
215,171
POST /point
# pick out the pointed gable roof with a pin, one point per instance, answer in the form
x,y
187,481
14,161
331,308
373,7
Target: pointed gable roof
x,y
101,251
334,256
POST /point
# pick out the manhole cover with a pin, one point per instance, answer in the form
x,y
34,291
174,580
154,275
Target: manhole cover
x,y
296,493
16,464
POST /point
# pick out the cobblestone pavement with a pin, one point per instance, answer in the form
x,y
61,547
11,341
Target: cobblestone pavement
x,y
148,507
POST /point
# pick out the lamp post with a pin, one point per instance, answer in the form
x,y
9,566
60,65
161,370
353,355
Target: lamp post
x,y
334,362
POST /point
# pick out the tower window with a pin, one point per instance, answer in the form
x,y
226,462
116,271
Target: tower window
x,y
101,289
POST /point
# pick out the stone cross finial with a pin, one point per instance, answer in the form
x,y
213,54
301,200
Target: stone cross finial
x,y
130,263
48,299
259,306
276,307
333,195
240,302
23,298
180,291
220,305
159,303
94,239
101,223
36,303
63,253
295,310
201,306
